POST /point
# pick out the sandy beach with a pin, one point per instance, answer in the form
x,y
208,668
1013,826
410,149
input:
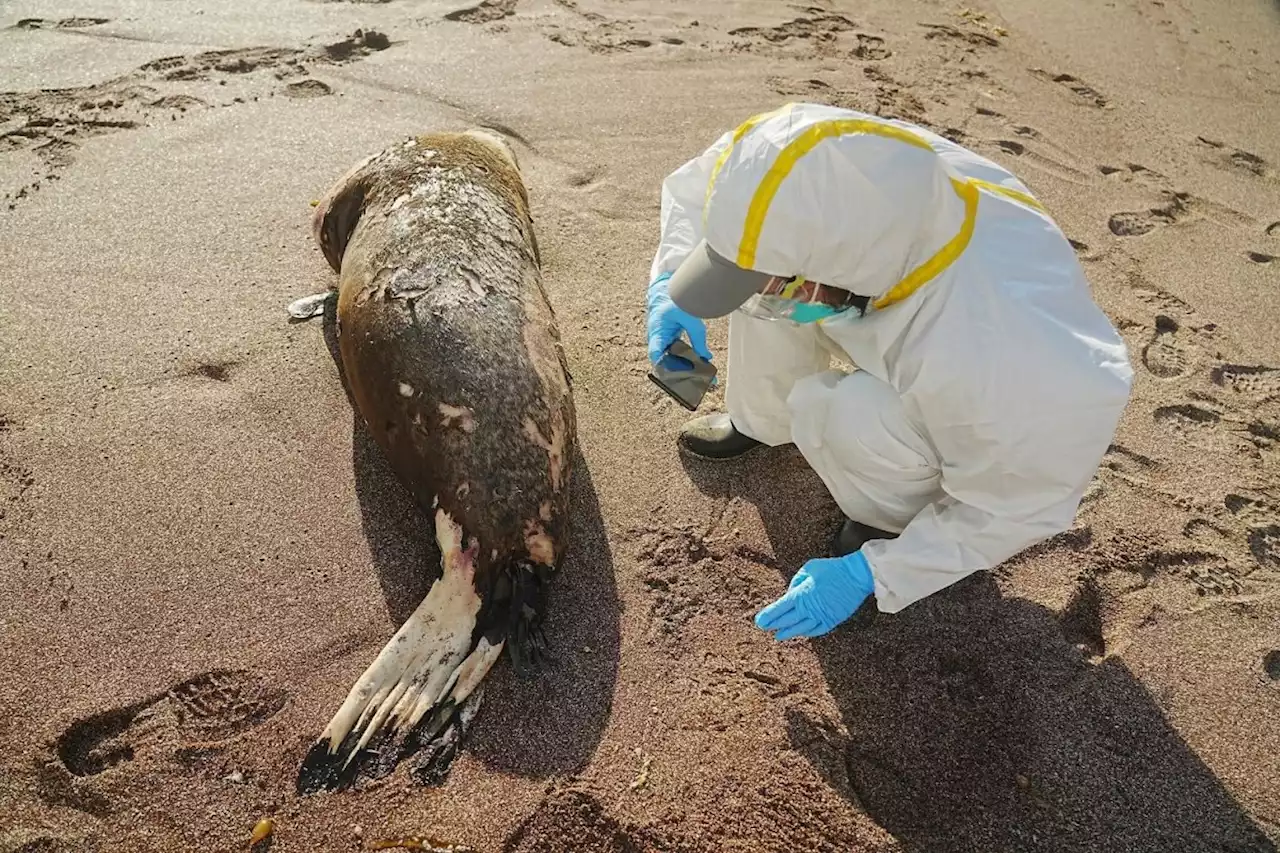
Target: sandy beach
x,y
201,548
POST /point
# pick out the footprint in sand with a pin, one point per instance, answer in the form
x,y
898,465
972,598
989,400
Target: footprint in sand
x,y
1264,544
870,47
894,100
1204,427
816,25
1261,257
1167,356
484,13
603,35
1177,207
204,65
819,91
1027,152
1119,464
64,24
308,88
1187,416
1257,382
1206,572
210,707
970,37
1179,339
816,33
1134,171
1083,91
1205,531
674,600
54,123
1034,148
1159,299
1209,426
1081,620
603,40
1137,223
1239,424
1234,159
565,818
1261,519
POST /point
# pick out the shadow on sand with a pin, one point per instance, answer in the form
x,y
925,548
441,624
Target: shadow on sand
x,y
974,724
552,722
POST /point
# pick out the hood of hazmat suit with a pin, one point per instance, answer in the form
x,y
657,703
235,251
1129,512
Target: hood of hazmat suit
x,y
980,317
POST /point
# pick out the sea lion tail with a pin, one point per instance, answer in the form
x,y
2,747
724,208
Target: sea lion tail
x,y
423,682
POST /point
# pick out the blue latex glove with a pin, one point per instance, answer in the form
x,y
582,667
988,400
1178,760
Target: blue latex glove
x,y
824,593
666,321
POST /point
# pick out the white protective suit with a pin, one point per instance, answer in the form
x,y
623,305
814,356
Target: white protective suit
x,y
988,383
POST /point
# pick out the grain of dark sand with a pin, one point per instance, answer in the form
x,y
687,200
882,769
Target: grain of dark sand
x,y
200,549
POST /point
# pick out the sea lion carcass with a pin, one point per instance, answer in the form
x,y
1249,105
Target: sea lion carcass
x,y
453,359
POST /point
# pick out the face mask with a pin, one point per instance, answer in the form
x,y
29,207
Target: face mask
x,y
794,300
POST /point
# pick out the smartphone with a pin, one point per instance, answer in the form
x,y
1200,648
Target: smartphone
x,y
683,375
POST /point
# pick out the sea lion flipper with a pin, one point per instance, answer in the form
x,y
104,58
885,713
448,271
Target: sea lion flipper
x,y
422,676
311,306
431,766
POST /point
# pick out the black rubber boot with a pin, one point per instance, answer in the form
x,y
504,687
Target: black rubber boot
x,y
853,535
714,437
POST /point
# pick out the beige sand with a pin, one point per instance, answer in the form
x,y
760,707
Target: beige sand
x,y
199,551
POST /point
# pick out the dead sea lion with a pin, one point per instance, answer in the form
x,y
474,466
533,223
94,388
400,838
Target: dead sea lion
x,y
453,360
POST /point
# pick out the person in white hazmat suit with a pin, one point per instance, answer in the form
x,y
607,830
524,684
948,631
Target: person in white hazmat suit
x,y
987,383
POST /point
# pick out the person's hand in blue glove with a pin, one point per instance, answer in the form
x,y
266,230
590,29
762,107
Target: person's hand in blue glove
x,y
666,321
824,593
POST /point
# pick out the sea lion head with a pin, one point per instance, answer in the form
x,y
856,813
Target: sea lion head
x,y
338,212
492,136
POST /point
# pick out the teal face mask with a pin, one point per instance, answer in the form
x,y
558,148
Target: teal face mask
x,y
785,305
809,312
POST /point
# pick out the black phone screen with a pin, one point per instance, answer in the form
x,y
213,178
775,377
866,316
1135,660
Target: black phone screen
x,y
683,375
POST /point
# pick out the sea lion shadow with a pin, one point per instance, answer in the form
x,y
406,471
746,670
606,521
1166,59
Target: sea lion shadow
x,y
552,722
972,722
401,539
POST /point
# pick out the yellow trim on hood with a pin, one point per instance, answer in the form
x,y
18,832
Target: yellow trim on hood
x,y
944,257
806,141
741,131
786,161
1009,192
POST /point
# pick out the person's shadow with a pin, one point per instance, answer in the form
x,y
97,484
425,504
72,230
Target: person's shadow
x,y
552,722
974,723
